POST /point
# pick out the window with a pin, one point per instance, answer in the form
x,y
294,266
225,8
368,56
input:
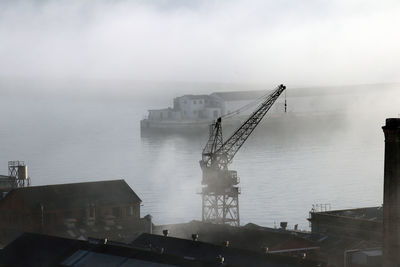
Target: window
x,y
194,102
195,112
129,211
200,102
184,102
116,212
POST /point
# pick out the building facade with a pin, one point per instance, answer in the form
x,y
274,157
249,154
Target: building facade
x,y
71,210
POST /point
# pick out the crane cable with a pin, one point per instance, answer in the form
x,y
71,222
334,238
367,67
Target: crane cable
x,y
247,106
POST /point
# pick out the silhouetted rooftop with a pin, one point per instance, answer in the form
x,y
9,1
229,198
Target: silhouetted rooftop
x,y
70,195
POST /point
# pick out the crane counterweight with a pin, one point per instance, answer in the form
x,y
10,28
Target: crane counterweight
x,y
220,191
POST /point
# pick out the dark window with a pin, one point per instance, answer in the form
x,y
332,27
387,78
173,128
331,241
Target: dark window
x,y
184,102
200,102
116,212
194,102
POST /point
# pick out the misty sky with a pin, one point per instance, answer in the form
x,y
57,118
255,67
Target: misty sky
x,y
303,43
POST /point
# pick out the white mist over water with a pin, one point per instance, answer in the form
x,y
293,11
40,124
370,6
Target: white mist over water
x,y
283,172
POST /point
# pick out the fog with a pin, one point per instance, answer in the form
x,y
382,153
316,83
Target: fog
x,y
300,43
58,58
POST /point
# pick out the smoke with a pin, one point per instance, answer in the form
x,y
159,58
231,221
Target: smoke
x,y
302,43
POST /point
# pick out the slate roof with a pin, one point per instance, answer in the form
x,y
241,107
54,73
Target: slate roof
x,y
75,194
198,250
43,250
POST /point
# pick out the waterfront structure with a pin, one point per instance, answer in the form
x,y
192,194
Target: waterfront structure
x,y
194,112
391,194
75,210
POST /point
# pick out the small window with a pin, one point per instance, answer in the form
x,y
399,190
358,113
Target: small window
x,y
129,211
184,102
194,111
194,102
200,102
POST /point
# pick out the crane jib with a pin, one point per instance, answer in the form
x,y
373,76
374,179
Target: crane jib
x,y
216,149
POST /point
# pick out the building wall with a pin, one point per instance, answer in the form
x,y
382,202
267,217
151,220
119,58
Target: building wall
x,y
343,226
16,215
192,108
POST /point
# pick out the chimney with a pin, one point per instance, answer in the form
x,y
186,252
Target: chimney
x,y
391,194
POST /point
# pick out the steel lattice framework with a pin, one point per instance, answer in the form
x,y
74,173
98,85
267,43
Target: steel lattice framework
x,y
220,193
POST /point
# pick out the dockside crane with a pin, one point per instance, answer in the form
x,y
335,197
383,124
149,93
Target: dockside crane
x,y
220,191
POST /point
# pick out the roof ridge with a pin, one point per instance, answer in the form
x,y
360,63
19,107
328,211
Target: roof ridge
x,y
67,184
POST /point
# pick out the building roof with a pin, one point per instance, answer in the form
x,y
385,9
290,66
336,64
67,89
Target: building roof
x,y
368,213
186,248
250,236
42,250
74,195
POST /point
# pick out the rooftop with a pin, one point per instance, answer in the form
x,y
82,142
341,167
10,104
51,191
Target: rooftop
x,y
42,250
209,252
71,195
369,213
